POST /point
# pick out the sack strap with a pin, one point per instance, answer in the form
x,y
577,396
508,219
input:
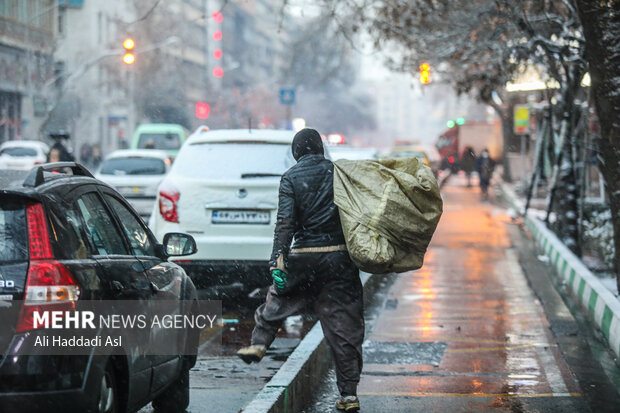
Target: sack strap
x,y
331,248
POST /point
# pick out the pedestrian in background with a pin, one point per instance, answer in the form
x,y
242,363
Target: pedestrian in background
x,y
468,163
59,153
317,271
96,156
485,166
86,152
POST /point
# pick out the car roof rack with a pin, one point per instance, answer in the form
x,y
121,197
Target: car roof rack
x,y
36,177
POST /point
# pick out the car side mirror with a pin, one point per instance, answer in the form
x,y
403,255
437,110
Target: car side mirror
x,y
177,244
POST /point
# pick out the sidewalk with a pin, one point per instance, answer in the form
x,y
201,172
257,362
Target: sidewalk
x,y
465,333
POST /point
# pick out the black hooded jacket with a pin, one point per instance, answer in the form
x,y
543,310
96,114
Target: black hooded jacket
x,y
306,209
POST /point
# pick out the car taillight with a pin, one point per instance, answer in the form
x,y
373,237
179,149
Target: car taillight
x,y
38,235
50,285
168,204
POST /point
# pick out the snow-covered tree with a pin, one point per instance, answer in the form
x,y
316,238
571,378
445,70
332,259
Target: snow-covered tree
x,y
601,27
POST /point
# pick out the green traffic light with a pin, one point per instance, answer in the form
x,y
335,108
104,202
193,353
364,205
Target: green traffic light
x,y
450,123
460,121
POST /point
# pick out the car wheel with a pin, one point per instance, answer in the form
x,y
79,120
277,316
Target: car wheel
x,y
108,394
176,397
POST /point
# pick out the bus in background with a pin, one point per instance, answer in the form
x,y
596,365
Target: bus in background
x,y
167,137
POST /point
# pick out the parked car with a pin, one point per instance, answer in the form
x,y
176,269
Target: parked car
x,y
429,156
433,155
74,238
136,174
353,154
223,189
22,155
409,153
167,137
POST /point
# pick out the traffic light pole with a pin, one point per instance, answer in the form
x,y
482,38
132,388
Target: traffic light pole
x,y
289,116
131,115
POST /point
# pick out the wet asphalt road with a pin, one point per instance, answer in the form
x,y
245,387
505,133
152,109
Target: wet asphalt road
x,y
467,333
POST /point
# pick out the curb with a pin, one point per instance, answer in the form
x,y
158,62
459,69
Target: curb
x,y
292,387
597,301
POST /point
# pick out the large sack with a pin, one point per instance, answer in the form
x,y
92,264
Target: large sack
x,y
389,210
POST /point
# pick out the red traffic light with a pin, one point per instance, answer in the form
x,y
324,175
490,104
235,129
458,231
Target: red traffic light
x,y
217,35
218,71
202,110
217,54
217,16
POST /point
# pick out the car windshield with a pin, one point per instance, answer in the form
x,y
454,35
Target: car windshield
x,y
159,141
13,236
133,166
18,151
234,160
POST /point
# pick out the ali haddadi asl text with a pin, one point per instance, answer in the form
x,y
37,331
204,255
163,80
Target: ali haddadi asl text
x,y
75,341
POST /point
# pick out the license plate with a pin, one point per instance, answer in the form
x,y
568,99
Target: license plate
x,y
229,216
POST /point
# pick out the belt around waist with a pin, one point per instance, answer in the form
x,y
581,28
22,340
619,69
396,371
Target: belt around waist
x,y
330,248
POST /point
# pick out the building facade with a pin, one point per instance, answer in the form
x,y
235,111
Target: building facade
x,y
94,86
27,40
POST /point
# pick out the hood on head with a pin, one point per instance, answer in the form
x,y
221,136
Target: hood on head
x,y
307,142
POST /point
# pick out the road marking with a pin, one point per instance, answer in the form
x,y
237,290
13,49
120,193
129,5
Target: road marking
x,y
439,338
494,395
506,348
548,362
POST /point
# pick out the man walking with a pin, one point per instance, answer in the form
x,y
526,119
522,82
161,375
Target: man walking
x,y
485,166
317,271
468,163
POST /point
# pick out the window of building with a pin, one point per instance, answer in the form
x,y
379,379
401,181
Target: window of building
x,y
61,22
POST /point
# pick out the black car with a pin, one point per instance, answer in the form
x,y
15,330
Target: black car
x,y
66,236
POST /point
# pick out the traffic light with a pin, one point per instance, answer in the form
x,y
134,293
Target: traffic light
x,y
218,18
202,110
128,44
425,73
460,121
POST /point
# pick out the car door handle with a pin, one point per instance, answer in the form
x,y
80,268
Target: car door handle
x,y
118,286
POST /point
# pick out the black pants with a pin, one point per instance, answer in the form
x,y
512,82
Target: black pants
x,y
333,289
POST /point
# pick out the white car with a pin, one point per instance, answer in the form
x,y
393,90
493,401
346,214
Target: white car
x,y
223,190
136,174
22,155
